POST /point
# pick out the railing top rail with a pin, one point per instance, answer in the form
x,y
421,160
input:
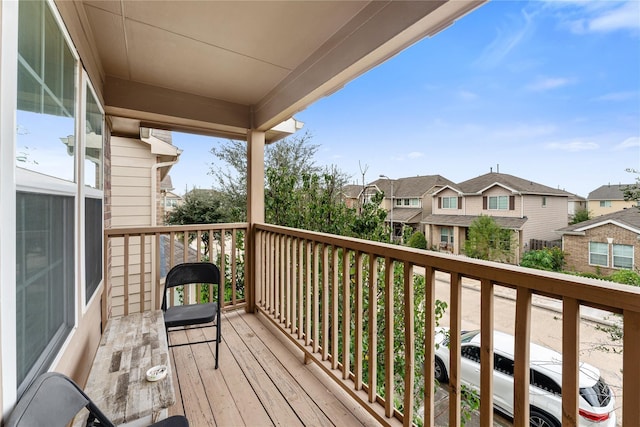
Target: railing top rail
x,y
606,295
121,231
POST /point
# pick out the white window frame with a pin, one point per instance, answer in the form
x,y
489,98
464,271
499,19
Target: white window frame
x,y
605,203
614,256
592,252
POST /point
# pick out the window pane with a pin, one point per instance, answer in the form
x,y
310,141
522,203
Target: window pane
x,y
493,203
46,94
44,279
503,202
94,144
93,245
598,253
623,256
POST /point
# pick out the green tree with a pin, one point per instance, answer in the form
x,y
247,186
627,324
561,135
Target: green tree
x,y
488,241
581,214
417,240
293,156
632,192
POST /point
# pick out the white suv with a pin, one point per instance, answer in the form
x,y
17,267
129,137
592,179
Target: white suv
x,y
596,403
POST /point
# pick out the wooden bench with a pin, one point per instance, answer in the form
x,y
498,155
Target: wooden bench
x,y
117,382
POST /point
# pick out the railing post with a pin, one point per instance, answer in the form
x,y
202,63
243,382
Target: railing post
x,y
570,360
486,355
521,362
631,368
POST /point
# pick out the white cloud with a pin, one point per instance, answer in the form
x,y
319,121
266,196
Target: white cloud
x,y
467,95
617,96
506,40
523,131
573,147
582,17
548,83
633,142
415,154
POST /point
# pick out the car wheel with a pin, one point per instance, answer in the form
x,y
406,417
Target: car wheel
x,y
440,372
538,418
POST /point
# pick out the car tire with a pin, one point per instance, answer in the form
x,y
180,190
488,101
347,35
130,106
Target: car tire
x,y
440,371
539,418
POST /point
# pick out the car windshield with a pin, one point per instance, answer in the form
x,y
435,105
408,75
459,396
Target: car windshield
x,y
468,336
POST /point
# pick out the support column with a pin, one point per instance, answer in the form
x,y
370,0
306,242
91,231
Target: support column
x,y
255,207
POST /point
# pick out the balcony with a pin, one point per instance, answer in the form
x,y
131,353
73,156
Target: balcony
x,y
330,299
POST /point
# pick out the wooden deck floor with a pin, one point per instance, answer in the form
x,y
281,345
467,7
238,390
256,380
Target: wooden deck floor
x,y
261,380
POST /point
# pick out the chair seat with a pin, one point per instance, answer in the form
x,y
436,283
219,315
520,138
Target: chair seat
x,y
182,315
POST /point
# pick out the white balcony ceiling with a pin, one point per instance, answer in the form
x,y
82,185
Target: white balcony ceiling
x,y
222,67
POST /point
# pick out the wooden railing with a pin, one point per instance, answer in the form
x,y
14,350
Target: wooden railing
x,y
137,260
337,299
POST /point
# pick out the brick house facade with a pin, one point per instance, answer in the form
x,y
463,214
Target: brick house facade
x,y
617,234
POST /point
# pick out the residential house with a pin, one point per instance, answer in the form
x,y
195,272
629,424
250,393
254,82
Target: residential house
x,y
575,204
607,199
529,209
603,244
170,200
408,200
98,72
351,195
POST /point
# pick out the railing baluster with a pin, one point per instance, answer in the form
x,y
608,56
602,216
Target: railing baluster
x,y
358,327
409,350
126,274
455,314
429,344
316,297
234,297
309,287
521,356
334,307
325,302
142,271
223,267
283,280
389,389
301,298
486,352
155,287
291,277
346,313
570,360
373,327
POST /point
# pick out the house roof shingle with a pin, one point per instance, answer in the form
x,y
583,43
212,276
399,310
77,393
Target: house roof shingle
x,y
609,192
627,217
411,187
351,191
406,215
511,223
520,185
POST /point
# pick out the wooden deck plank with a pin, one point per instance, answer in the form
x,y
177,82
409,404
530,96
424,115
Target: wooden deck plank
x,y
300,402
274,403
194,399
330,398
262,380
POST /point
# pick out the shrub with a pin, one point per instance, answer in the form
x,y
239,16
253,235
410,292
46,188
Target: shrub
x,y
417,240
550,259
626,277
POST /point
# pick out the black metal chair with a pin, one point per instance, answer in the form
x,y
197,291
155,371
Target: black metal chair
x,y
54,400
193,314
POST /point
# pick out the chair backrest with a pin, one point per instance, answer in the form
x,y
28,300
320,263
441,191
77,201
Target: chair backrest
x,y
188,273
52,400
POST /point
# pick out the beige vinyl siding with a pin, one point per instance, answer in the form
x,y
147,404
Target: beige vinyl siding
x,y
441,211
542,221
131,206
616,205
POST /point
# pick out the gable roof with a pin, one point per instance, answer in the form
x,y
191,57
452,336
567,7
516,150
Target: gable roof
x,y
519,185
411,187
352,191
609,192
625,218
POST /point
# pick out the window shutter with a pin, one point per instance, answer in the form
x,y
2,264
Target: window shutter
x,y
439,202
459,202
512,203
484,203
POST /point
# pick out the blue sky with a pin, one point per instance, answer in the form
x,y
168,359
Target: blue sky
x,y
547,90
